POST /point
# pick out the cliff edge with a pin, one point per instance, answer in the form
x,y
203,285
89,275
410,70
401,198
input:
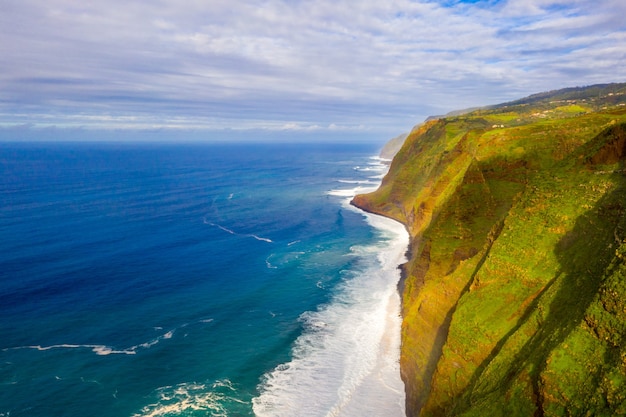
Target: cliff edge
x,y
514,297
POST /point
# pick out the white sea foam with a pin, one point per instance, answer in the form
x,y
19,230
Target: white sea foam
x,y
346,362
343,193
362,186
97,349
376,167
277,260
211,399
262,239
381,160
232,232
351,192
105,350
357,182
378,177
100,350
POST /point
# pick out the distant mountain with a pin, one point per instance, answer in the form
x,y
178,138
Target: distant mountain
x,y
603,94
514,297
392,147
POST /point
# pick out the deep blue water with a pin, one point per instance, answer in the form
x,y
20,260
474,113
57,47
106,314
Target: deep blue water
x,y
166,280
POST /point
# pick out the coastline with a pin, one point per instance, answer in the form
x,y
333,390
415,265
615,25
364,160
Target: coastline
x,y
355,339
490,259
405,374
358,202
416,379
402,267
391,342
399,266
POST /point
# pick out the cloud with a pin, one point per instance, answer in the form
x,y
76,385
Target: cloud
x,y
293,65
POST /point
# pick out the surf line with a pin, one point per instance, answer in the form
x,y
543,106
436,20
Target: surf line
x,y
100,350
227,230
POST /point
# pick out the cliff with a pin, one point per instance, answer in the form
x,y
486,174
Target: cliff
x,y
514,298
392,147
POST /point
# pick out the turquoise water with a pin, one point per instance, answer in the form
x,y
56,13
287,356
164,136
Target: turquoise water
x,y
184,280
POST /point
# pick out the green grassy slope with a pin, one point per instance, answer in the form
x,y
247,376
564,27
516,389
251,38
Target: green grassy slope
x,y
514,297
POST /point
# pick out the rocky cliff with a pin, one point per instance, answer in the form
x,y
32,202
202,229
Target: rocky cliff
x,y
514,298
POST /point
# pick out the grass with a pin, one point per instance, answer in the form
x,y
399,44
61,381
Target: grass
x,y
513,301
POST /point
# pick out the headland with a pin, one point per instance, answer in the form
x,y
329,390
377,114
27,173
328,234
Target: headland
x,y
514,296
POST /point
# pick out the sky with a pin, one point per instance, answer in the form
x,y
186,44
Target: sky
x,y
299,68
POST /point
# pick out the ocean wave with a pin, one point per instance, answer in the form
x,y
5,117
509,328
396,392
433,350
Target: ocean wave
x,y
350,192
262,239
213,399
276,260
232,232
357,182
362,186
379,159
100,350
369,168
345,363
104,350
378,177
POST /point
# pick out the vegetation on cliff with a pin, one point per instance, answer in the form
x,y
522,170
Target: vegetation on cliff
x,y
514,299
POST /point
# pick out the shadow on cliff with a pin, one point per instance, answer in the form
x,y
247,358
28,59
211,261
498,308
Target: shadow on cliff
x,y
583,255
484,211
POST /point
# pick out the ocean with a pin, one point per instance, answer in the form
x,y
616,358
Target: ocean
x,y
196,280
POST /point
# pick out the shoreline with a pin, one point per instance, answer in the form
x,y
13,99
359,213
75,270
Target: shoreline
x,y
409,250
394,312
361,335
360,202
401,266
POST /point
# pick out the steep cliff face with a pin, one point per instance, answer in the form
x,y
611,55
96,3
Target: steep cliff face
x,y
513,300
392,147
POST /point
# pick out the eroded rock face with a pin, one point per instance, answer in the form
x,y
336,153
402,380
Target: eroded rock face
x,y
611,146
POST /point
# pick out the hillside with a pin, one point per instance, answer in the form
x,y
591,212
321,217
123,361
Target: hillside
x,y
514,298
392,147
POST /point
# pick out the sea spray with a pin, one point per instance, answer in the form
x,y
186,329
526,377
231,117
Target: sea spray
x,y
346,362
